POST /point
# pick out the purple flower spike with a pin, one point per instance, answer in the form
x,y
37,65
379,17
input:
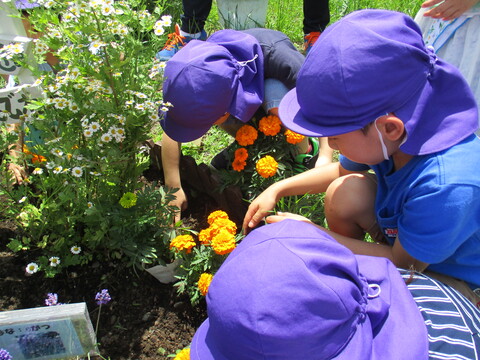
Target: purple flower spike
x,y
103,297
5,355
51,300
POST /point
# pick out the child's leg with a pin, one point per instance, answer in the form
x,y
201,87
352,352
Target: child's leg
x,y
350,206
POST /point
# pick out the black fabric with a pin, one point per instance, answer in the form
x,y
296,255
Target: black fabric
x,y
282,61
316,15
195,13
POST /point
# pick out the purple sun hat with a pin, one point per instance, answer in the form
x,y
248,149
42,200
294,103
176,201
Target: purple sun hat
x,y
290,291
374,62
207,79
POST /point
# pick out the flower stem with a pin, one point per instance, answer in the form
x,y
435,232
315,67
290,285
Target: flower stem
x,y
98,318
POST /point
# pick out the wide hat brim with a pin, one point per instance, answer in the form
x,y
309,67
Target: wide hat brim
x,y
391,313
349,79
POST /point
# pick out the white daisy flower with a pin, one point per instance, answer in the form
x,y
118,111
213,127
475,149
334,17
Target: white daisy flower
x,y
75,250
167,20
57,152
22,200
54,261
106,138
87,132
32,268
153,117
94,126
57,169
37,171
107,10
77,171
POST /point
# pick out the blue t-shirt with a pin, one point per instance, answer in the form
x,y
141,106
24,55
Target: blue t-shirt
x,y
433,205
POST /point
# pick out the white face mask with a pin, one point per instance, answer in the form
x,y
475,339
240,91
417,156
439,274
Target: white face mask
x,y
382,143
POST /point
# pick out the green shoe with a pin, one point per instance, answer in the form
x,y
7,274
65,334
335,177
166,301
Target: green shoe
x,y
304,162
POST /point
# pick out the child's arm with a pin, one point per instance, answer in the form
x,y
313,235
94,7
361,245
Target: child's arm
x,y
325,155
396,253
171,152
448,9
312,181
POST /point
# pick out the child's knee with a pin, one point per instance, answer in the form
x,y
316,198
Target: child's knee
x,y
349,196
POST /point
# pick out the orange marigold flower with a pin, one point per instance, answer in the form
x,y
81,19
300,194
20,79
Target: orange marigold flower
x,y
204,283
267,166
38,159
223,224
183,355
205,236
270,125
218,214
293,137
246,135
241,154
183,242
238,165
224,242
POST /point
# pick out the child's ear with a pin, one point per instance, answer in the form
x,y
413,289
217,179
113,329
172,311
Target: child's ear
x,y
394,127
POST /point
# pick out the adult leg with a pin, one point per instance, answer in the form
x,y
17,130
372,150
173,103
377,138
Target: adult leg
x,y
350,206
316,15
195,13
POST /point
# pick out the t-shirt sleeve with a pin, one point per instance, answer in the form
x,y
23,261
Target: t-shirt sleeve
x,y
350,165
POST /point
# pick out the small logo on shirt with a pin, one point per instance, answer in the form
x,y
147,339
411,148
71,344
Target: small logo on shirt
x,y
391,233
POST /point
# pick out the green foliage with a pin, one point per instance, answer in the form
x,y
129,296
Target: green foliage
x,y
94,114
309,205
202,259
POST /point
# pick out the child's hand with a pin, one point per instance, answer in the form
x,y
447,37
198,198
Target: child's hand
x,y
259,208
286,215
448,9
180,202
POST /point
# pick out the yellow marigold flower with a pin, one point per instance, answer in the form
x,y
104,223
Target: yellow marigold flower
x,y
224,224
238,165
218,214
293,137
241,154
183,242
205,236
25,150
128,200
204,283
183,355
224,242
267,166
246,135
270,125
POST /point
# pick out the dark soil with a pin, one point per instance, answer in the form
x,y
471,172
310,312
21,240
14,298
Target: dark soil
x,y
145,319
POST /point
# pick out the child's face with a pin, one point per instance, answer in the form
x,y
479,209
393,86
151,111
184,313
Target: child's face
x,y
359,146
